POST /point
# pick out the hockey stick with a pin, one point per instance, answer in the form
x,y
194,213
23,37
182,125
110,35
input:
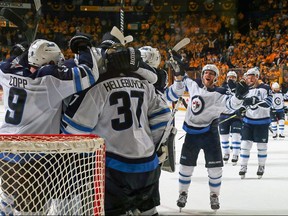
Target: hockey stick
x,y
10,15
181,44
122,16
233,116
169,125
119,35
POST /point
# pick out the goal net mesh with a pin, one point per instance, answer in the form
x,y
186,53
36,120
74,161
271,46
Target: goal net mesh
x,y
52,175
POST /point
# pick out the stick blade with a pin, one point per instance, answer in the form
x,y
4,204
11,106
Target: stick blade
x,y
181,44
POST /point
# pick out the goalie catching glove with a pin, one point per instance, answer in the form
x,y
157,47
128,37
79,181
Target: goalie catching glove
x,y
123,59
177,65
80,42
241,90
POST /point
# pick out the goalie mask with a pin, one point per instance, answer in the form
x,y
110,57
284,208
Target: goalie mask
x,y
151,56
42,52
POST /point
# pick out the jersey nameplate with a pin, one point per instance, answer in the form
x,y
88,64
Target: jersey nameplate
x,y
18,82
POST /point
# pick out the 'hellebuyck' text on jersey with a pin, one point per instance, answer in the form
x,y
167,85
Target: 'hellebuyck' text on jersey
x,y
33,102
205,105
260,113
123,110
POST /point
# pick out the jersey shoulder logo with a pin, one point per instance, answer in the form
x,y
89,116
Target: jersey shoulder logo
x,y
197,104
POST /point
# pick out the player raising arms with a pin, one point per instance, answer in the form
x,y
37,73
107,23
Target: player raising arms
x,y
206,104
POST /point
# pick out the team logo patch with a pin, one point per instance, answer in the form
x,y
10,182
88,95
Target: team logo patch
x,y
197,104
277,101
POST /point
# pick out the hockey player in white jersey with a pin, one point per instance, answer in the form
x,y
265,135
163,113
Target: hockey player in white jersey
x,y
277,111
124,109
34,85
231,128
256,121
206,103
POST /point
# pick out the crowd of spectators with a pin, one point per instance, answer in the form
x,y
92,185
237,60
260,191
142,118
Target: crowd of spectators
x,y
213,40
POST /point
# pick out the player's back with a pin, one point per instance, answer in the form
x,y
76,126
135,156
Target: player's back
x,y
33,102
120,110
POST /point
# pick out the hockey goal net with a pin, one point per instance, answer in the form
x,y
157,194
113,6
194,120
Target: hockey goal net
x,y
52,175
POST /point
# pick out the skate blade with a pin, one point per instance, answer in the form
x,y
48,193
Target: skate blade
x,y
259,176
242,176
234,163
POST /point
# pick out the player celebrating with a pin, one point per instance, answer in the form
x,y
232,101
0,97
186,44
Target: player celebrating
x,y
277,111
33,97
231,127
125,110
256,121
207,102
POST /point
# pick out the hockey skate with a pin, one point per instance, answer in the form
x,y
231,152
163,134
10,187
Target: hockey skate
x,y
234,160
275,136
214,202
260,171
226,158
181,202
243,171
281,136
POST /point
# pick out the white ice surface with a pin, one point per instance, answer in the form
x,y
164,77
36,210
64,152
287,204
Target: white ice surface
x,y
249,196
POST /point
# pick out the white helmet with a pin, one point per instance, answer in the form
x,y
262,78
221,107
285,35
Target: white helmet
x,y
151,56
42,52
211,67
231,73
253,71
275,85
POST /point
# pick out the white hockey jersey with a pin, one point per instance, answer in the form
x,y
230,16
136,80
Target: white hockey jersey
x,y
259,113
124,111
278,100
205,105
33,102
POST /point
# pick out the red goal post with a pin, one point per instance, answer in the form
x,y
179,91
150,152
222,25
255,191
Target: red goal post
x,y
52,174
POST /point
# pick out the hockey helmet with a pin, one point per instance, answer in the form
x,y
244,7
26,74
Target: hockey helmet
x,y
43,52
211,67
231,74
275,86
253,71
151,56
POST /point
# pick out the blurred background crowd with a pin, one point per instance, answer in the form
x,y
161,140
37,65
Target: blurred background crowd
x,y
233,34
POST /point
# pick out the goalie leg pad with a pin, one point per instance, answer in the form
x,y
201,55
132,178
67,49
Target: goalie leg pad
x,y
169,164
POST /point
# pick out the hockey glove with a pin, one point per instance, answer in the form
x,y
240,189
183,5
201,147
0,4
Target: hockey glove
x,y
108,40
80,42
232,85
177,65
241,90
250,101
18,49
121,59
240,112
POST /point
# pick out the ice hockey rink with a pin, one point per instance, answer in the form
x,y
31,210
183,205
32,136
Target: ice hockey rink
x,y
249,196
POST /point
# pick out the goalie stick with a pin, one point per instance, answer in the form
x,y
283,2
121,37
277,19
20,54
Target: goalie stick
x,y
166,146
119,35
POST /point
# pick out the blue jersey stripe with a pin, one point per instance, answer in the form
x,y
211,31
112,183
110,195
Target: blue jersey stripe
x,y
132,168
